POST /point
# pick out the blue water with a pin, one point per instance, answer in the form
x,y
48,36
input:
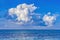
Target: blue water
x,y
29,34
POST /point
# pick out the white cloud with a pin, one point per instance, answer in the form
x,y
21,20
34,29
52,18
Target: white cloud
x,y
22,11
49,19
25,13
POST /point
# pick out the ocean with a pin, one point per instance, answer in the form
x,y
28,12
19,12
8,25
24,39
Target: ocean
x,y
29,34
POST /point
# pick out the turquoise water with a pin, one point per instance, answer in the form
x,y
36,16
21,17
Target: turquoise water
x,y
29,34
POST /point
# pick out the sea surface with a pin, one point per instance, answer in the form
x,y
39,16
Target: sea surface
x,y
29,34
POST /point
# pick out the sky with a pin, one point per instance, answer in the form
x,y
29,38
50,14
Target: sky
x,y
30,14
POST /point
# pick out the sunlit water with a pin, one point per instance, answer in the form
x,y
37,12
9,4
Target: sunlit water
x,y
29,34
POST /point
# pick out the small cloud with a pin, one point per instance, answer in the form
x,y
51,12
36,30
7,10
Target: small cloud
x,y
22,12
49,19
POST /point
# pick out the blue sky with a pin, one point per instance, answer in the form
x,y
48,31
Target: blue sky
x,y
43,7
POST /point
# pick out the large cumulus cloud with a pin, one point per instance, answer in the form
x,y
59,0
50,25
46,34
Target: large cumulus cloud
x,y
22,11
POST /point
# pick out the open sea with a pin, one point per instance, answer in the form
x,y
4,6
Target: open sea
x,y
29,34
